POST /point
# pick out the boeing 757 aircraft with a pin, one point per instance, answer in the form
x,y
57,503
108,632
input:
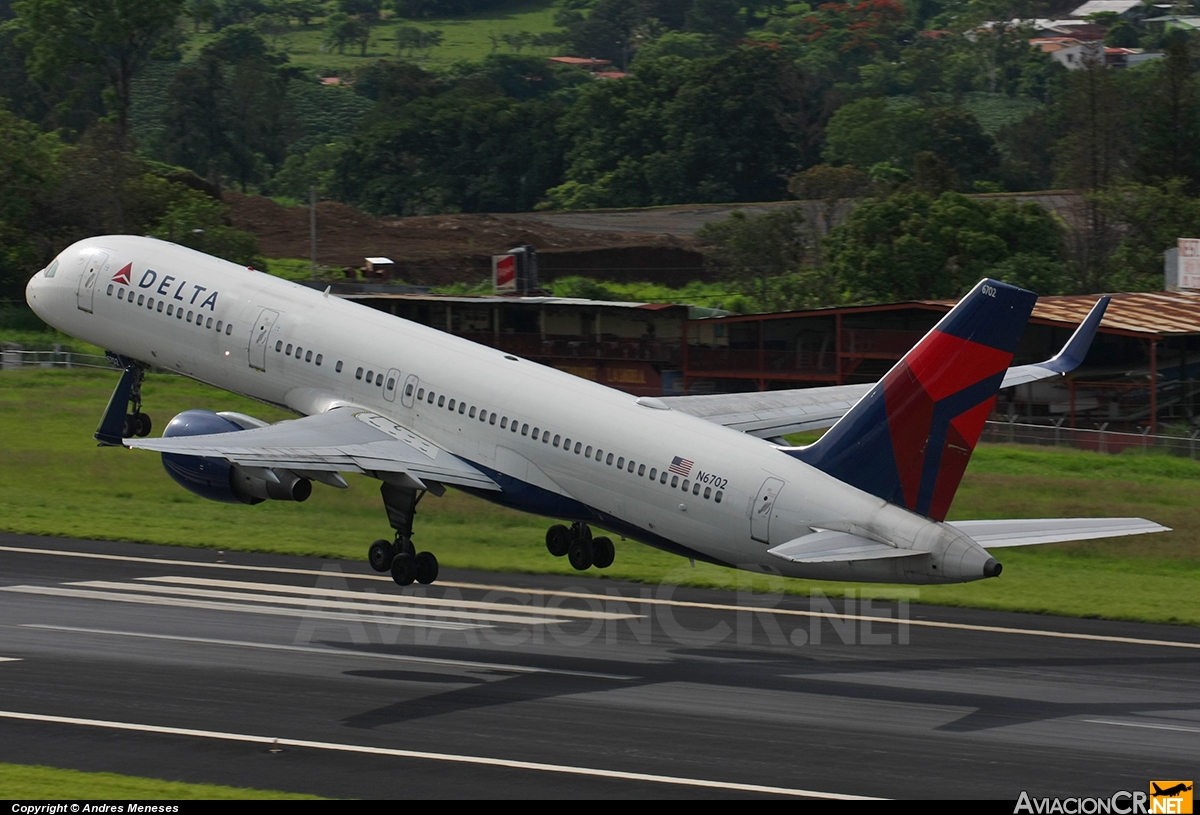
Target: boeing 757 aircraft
x,y
705,477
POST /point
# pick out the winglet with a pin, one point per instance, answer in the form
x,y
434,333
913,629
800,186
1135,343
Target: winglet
x,y
1066,360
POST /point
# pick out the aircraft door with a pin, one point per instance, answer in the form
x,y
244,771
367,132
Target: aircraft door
x,y
391,385
260,338
761,512
410,390
88,281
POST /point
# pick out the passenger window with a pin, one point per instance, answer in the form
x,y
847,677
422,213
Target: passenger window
x,y
370,377
546,437
462,408
120,294
298,350
653,473
318,360
430,399
288,351
707,493
503,422
110,289
674,481
450,407
407,391
178,314
483,415
685,485
379,381
621,463
588,452
524,430
534,434
209,324
441,401
556,438
717,497
160,306
391,383
141,299
662,479
189,317
357,374
696,488
308,356
492,418
608,460
278,346
577,446
228,329
421,395
218,325
630,465
641,469
338,368
171,311
514,425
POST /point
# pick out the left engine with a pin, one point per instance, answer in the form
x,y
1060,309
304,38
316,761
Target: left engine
x,y
218,480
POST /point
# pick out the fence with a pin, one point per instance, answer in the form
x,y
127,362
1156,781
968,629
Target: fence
x,y
1100,440
12,358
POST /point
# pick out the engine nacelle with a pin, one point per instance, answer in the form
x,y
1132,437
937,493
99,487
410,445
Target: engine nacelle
x,y
218,480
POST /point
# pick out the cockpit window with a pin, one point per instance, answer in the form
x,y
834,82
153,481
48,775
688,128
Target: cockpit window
x,y
50,272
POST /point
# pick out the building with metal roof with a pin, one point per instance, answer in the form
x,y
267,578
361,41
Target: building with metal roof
x,y
1140,372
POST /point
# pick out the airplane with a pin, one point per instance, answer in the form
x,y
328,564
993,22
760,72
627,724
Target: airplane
x,y
705,477
1170,792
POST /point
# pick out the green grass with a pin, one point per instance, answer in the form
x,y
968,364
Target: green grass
x,y
32,783
463,38
55,481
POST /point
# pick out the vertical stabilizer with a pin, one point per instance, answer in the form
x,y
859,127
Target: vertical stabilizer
x,y
909,439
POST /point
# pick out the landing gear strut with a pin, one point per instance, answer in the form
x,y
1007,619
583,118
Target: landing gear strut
x,y
400,557
123,418
582,550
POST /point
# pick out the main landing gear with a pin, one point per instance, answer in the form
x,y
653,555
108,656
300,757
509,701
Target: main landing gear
x,y
401,558
582,550
123,418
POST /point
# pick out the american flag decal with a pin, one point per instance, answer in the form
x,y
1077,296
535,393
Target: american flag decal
x,y
681,466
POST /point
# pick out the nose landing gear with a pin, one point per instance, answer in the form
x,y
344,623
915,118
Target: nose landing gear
x,y
401,558
581,549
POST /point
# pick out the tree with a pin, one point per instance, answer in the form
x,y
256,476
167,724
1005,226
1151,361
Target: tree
x,y
1169,138
346,30
751,249
831,186
914,246
1150,219
116,36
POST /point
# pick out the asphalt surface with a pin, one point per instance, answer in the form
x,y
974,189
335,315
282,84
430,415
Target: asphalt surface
x,y
187,665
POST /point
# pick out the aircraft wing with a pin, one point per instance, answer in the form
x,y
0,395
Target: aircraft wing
x,y
1030,531
340,440
770,414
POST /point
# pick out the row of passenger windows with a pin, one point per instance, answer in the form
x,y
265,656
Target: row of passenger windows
x,y
307,355
170,309
570,446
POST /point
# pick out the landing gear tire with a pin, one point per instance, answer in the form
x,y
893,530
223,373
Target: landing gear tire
x,y
141,425
603,552
425,567
581,554
404,569
380,555
558,540
130,428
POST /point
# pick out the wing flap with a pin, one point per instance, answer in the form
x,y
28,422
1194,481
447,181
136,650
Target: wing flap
x,y
836,547
341,440
1032,531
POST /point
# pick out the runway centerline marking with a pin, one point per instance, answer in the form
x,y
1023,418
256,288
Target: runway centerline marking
x,y
309,649
453,758
10,659
1145,725
989,629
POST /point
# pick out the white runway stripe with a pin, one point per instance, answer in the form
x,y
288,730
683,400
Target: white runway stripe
x,y
986,629
1146,725
466,665
10,659
535,616
399,599
617,775
242,608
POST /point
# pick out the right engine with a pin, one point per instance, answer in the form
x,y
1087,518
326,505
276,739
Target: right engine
x,y
218,480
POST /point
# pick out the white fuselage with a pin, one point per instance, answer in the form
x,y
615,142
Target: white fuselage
x,y
232,327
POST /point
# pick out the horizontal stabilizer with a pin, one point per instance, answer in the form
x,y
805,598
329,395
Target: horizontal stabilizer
x,y
1030,531
836,547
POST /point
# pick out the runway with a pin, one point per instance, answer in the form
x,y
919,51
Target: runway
x,y
320,676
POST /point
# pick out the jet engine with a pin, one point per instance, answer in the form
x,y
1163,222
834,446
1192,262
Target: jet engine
x,y
218,480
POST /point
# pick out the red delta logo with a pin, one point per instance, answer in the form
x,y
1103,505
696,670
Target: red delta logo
x,y
122,276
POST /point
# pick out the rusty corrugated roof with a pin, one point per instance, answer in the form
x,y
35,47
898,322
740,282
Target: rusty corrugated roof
x,y
1160,312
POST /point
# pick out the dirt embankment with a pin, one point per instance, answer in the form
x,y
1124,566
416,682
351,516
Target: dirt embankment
x,y
440,249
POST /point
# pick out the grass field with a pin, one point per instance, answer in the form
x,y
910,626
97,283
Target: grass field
x,y
55,481
463,38
20,782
